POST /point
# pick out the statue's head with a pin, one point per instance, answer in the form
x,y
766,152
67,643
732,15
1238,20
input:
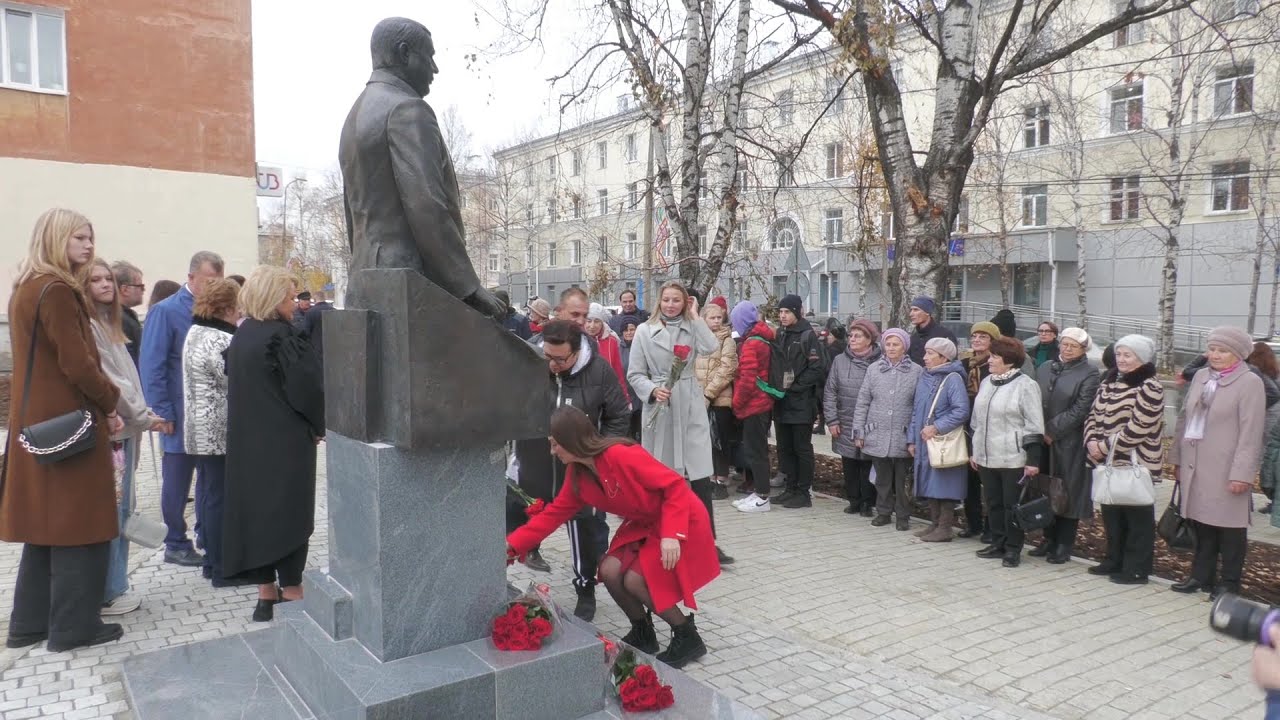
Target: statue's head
x,y
403,47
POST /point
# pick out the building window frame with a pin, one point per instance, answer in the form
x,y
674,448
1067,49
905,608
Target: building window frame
x,y
835,159
1035,206
1233,90
1229,188
785,100
629,250
630,148
575,253
784,234
576,167
602,244
495,262
1124,198
833,226
1035,126
551,166
602,202
1125,108
602,155
552,254
1131,34
35,15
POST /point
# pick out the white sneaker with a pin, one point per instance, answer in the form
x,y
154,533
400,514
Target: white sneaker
x,y
124,604
744,500
758,504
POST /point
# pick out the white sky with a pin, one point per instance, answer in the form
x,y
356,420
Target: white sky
x,y
311,60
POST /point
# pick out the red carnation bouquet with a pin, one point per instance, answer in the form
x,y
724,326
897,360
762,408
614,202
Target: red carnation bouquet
x,y
678,364
637,684
528,621
531,506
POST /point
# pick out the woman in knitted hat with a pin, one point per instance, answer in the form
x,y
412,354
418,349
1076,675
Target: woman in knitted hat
x,y
839,402
1068,385
880,423
1216,455
1128,415
941,406
607,341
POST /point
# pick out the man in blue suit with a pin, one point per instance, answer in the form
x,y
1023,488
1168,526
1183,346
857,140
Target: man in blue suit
x,y
163,334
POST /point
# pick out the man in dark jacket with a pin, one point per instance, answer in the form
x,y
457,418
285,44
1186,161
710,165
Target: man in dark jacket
x,y
131,288
627,299
924,310
795,412
515,322
582,378
312,321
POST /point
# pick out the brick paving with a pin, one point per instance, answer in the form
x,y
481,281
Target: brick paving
x,y
823,616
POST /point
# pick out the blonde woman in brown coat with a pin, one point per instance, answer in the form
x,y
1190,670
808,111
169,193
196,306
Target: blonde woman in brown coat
x,y
63,512
715,372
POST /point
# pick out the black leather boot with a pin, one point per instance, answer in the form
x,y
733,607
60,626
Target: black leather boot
x,y
686,645
643,636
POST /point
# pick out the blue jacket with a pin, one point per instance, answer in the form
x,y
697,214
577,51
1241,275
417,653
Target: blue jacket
x,y
163,335
951,412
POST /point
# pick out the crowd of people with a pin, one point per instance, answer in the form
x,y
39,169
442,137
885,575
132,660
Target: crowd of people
x,y
219,369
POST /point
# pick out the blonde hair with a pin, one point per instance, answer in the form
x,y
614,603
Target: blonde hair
x,y
712,307
47,253
218,298
263,290
656,315
109,314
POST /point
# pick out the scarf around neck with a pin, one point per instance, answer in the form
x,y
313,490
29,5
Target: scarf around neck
x,y
1004,377
1200,413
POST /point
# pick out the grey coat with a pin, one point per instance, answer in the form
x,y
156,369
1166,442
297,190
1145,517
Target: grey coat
x,y
1008,423
840,399
1067,392
884,407
680,437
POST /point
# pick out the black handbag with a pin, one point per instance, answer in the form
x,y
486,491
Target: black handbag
x,y
58,438
1175,530
1034,514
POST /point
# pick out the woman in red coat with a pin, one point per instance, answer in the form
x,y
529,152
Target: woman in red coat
x,y
661,554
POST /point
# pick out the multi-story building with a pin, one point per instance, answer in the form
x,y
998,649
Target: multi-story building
x,y
1075,169
138,114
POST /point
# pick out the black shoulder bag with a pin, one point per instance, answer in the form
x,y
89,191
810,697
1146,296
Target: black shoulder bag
x,y
58,438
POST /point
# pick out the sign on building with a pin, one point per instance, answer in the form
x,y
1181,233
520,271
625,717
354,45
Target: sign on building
x,y
270,181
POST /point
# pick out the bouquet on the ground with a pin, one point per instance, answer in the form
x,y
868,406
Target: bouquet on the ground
x,y
678,364
528,621
638,686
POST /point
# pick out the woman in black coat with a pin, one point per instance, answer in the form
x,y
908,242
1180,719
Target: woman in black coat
x,y
275,418
1068,385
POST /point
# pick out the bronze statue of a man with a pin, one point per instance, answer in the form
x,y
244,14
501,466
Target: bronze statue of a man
x,y
399,186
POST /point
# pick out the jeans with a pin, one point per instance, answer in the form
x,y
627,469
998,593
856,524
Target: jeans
x,y
118,554
175,485
1273,705
212,470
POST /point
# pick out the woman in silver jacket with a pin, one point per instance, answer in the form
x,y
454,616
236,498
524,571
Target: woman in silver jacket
x,y
839,404
881,420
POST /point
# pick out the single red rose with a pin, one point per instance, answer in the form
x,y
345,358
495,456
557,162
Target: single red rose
x,y
517,612
682,351
646,676
628,691
541,628
648,697
536,507
665,697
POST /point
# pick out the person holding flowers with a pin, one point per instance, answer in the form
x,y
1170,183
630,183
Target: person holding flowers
x,y
661,554
675,427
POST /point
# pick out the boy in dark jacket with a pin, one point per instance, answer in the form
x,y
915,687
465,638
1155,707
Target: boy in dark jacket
x,y
924,313
795,413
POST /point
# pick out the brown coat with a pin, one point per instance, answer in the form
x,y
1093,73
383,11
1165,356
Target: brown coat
x,y
72,502
715,371
1230,451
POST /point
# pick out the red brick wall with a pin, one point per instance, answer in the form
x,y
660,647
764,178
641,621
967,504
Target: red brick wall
x,y
153,83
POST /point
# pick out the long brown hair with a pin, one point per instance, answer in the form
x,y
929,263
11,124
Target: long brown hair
x,y
1264,358
109,314
573,431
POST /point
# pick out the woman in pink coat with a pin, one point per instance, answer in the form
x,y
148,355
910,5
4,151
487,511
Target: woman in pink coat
x,y
661,554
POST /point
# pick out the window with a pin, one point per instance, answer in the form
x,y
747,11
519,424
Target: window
x,y
1126,108
1035,206
744,179
1230,189
577,163
832,94
602,202
551,254
528,175
835,160
528,214
888,225
784,235
1130,34
1233,90
528,255
1035,126
464,200
740,237
32,49
495,262
951,308
703,189
577,207
829,293
779,285
629,148
786,107
1224,10
786,172
1124,198
833,226
633,194
602,155
1026,285
702,240
552,215
603,243
551,166
629,250
575,252
961,224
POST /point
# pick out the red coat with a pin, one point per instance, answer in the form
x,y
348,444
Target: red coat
x,y
609,350
654,503
753,364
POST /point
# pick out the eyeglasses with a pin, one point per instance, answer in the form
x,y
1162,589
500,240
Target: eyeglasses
x,y
140,286
558,360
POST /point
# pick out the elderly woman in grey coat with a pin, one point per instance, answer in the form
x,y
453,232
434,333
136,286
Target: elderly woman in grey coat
x,y
839,403
1068,385
941,406
880,420
1216,454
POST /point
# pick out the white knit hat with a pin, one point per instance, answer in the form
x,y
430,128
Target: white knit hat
x,y
1141,345
1078,335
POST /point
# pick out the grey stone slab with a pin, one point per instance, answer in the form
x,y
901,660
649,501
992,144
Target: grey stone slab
x,y
218,679
328,603
408,541
441,369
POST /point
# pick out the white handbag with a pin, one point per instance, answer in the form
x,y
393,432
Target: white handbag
x,y
948,450
139,528
1127,485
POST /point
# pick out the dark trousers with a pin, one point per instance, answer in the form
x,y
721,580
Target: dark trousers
x,y
175,486
287,571
974,504
1211,542
755,452
1062,533
633,430
858,489
722,439
795,454
212,470
588,540
702,488
1131,538
59,591
891,487
1001,488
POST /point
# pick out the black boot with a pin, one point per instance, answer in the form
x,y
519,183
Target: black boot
x,y
685,645
586,607
643,636
1045,548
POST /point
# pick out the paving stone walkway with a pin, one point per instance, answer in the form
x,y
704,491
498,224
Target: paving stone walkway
x,y
823,616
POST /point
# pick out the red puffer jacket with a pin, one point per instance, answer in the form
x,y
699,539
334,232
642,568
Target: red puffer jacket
x,y
753,364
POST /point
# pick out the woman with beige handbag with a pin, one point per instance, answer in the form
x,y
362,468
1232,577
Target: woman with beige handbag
x,y
936,438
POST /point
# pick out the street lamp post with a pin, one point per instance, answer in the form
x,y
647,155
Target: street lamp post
x,y
284,216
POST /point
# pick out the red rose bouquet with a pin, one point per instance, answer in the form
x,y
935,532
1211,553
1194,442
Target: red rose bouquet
x,y
678,364
528,621
639,689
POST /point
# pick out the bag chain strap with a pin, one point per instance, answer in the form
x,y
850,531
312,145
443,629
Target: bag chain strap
x,y
26,392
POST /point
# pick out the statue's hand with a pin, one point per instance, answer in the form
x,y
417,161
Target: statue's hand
x,y
484,301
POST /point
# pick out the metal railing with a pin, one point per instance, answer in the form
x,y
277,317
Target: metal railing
x,y
1103,328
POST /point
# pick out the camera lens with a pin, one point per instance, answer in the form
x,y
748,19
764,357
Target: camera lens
x,y
1244,620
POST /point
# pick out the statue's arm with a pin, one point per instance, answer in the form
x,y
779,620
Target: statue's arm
x,y
429,196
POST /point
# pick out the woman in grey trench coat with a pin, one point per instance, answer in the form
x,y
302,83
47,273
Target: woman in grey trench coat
x,y
1216,454
839,401
674,426
1068,385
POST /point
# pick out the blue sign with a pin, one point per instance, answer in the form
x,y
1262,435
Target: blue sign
x,y
640,293
956,246
891,251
